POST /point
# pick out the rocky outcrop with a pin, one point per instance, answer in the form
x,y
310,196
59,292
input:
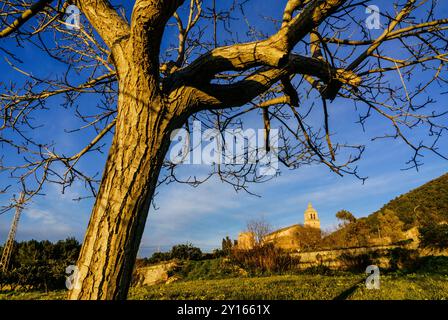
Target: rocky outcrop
x,y
156,274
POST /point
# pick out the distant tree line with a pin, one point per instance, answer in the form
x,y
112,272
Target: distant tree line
x,y
39,265
180,251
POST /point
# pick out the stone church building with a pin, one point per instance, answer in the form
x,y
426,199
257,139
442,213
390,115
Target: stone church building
x,y
293,237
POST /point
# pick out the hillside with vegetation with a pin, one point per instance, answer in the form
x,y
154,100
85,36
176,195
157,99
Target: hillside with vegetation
x,y
427,202
425,208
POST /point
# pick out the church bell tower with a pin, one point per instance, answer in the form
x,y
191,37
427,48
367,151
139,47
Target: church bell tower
x,y
311,218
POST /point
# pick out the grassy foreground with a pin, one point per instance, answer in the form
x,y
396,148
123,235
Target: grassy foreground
x,y
296,287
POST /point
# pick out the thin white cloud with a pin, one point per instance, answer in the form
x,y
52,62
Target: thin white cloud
x,y
54,216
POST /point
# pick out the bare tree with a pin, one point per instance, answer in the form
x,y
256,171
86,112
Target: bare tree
x,y
259,228
320,51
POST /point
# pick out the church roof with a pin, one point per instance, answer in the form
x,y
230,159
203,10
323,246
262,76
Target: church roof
x,y
285,228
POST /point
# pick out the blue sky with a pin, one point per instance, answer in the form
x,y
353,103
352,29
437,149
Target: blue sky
x,y
206,214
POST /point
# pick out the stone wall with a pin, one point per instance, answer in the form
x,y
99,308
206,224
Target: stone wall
x,y
330,258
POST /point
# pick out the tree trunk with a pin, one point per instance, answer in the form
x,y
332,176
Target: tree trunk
x,y
118,219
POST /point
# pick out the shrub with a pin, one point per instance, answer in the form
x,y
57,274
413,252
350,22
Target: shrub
x,y
157,257
319,269
207,269
434,236
432,264
181,252
266,258
356,262
403,259
186,252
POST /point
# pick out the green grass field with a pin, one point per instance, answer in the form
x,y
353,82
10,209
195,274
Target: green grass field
x,y
285,287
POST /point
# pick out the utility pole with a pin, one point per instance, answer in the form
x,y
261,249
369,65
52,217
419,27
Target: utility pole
x,y
9,245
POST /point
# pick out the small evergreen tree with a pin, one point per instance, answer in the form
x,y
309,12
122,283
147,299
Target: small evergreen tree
x,y
226,245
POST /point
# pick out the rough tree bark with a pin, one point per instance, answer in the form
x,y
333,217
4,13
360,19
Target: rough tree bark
x,y
129,180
